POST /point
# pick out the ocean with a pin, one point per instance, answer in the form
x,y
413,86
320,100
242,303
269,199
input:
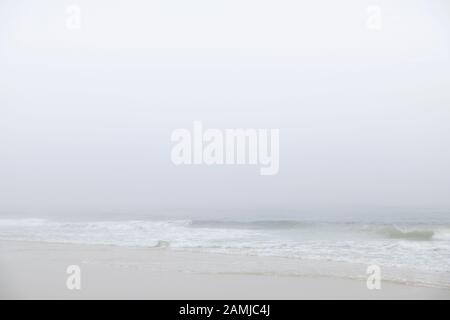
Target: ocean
x,y
410,250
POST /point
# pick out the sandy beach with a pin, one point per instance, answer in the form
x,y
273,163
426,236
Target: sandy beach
x,y
34,270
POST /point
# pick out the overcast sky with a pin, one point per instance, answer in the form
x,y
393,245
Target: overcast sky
x,y
86,114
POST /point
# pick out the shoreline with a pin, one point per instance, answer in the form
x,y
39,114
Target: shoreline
x,y
37,270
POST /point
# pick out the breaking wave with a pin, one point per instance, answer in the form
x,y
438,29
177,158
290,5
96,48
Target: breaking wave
x,y
417,235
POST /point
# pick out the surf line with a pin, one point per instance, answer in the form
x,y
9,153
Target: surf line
x,y
227,147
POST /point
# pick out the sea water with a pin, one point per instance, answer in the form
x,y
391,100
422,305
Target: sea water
x,y
416,244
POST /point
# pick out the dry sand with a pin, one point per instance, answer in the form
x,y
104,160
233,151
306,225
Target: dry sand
x,y
32,270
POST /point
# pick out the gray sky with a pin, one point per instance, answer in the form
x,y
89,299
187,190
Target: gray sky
x,y
86,115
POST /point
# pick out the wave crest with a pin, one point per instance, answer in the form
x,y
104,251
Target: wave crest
x,y
416,235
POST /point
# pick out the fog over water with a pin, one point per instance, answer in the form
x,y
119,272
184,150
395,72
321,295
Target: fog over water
x,y
86,115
